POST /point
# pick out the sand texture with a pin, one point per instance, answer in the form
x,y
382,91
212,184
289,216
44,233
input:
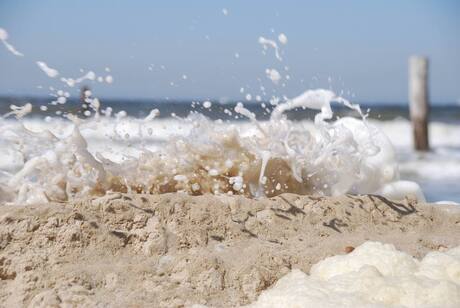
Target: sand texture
x,y
176,250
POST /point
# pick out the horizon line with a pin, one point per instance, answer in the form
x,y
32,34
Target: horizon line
x,y
213,100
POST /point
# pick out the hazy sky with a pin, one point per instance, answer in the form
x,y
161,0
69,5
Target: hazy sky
x,y
358,47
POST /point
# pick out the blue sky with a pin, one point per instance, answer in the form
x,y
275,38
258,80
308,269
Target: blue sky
x,y
359,48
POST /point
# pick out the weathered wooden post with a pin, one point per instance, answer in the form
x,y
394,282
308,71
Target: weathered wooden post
x,y
83,95
418,101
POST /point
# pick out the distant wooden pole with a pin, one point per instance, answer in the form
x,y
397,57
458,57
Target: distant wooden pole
x,y
83,95
418,101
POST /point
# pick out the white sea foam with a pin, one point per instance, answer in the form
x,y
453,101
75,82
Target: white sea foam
x,y
437,171
373,275
267,158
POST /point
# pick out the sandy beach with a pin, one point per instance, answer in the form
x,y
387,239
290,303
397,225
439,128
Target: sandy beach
x,y
176,250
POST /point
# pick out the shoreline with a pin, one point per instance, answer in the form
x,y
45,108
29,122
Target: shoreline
x,y
179,250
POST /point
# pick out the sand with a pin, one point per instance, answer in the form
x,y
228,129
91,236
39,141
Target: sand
x,y
176,250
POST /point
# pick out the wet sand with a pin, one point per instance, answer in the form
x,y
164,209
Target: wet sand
x,y
178,250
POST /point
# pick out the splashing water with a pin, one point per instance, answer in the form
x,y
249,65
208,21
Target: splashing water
x,y
51,72
270,43
273,75
19,111
262,159
8,46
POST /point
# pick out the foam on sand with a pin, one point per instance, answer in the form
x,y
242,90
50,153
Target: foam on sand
x,y
372,275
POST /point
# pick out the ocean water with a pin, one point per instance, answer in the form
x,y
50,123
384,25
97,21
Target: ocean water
x,y
140,108
437,171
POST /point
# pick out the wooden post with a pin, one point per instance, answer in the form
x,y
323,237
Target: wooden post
x,y
418,101
83,94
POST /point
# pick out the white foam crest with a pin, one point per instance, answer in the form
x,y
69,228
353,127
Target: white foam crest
x,y
255,159
313,99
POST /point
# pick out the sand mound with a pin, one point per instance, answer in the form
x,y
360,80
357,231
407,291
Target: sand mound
x,y
175,250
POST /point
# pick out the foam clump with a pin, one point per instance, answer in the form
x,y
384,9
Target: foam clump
x,y
372,275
